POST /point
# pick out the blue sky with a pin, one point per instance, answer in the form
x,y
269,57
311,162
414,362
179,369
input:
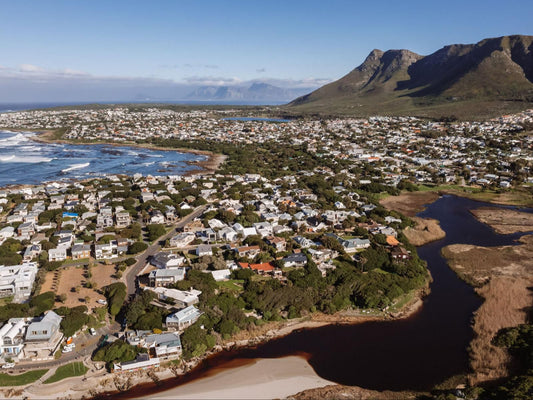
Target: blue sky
x,y
291,43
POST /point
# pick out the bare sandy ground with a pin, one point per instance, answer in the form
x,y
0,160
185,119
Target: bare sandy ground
x,y
64,280
263,379
504,221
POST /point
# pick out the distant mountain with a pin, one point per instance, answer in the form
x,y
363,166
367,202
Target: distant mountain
x,y
256,92
494,74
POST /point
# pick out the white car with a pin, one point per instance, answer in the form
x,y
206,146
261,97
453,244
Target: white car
x,y
100,301
66,350
92,332
8,365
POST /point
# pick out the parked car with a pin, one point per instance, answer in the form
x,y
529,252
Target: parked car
x,y
66,350
100,301
8,365
92,331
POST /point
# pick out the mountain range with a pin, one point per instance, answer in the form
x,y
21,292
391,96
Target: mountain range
x,y
258,91
492,76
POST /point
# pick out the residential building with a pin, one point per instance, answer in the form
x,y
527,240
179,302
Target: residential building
x,y
183,298
17,280
182,239
59,254
43,337
12,338
80,251
165,277
123,219
183,318
204,250
143,361
164,260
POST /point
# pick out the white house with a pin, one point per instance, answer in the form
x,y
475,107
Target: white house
x,y
59,254
183,298
164,260
204,250
17,280
183,318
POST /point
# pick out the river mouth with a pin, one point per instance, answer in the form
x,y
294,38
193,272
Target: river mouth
x,y
415,353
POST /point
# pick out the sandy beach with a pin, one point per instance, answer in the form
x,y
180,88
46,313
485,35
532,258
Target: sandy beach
x,y
263,379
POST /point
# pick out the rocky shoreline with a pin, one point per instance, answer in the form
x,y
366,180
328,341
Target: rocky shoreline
x,y
208,166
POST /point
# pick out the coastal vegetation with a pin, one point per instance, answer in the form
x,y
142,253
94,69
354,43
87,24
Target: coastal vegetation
x,y
118,351
115,294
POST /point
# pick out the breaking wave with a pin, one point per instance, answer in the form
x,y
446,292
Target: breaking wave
x,y
76,166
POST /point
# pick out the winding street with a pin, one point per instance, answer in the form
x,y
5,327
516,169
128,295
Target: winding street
x,y
87,344
133,271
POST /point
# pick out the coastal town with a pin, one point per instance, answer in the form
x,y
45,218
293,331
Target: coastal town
x,y
487,153
128,273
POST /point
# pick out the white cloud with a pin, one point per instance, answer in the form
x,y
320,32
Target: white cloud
x,y
212,81
29,68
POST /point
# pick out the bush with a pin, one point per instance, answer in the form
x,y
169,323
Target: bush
x,y
115,294
130,261
155,231
118,351
43,302
137,247
73,319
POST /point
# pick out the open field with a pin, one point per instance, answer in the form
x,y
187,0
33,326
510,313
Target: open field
x,y
70,282
67,371
504,221
512,198
409,203
503,276
21,379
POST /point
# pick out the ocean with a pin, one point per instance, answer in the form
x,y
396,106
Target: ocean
x,y
24,161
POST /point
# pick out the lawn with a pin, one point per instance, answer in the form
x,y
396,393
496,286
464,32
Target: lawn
x,y
21,379
232,284
67,371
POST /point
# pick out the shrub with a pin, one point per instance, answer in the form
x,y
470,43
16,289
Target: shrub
x,y
115,294
137,247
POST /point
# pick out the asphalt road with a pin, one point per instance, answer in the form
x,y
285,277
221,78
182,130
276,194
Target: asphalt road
x,y
133,271
85,343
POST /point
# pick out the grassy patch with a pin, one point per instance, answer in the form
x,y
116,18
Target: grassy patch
x,y
67,371
75,262
232,285
6,300
402,301
21,379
